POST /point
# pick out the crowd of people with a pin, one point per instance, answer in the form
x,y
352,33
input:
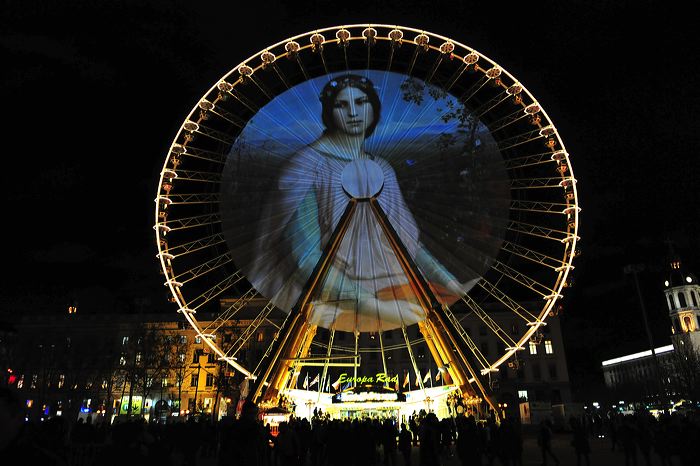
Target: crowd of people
x,y
422,440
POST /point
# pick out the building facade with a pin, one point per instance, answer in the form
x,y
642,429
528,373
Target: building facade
x,y
156,365
637,375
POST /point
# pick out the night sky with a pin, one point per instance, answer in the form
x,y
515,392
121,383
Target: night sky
x,y
94,92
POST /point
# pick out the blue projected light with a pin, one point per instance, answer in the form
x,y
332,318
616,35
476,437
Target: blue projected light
x,y
432,167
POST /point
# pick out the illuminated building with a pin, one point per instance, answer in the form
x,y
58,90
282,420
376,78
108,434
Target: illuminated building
x,y
635,373
70,363
66,364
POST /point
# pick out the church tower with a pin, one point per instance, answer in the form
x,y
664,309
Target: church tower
x,y
683,298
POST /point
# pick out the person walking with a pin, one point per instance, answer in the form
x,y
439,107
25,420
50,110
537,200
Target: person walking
x,y
582,447
544,440
405,439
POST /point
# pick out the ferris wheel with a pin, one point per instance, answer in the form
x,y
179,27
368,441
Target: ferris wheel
x,y
367,179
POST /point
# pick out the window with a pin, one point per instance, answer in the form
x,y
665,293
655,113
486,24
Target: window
x,y
211,358
261,336
61,380
20,382
536,372
552,371
670,302
164,382
181,357
104,384
125,341
681,300
149,382
522,394
694,297
35,377
183,339
193,380
197,339
207,403
195,356
138,357
122,360
533,348
210,380
548,348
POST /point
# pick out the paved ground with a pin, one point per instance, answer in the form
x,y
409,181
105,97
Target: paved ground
x,y
601,454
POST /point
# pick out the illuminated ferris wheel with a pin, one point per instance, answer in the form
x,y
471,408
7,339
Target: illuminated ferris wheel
x,y
367,179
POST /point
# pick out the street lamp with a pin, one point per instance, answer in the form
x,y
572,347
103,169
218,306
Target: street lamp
x,y
634,269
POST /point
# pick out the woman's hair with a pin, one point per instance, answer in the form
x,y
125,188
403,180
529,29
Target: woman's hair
x,y
332,89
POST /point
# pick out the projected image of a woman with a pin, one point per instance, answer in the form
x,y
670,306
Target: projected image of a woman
x,y
365,289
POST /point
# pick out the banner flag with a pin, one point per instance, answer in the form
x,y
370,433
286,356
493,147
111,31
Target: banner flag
x,y
314,381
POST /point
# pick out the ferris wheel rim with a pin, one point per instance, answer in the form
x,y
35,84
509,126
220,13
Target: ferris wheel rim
x,y
572,237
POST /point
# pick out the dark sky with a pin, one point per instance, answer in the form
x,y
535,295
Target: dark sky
x,y
94,92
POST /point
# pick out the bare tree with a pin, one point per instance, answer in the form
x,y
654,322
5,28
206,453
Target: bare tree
x,y
684,368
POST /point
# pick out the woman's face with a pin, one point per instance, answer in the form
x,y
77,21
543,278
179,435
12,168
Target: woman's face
x,y
352,111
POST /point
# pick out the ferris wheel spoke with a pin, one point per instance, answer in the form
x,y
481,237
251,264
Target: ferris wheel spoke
x,y
198,176
540,183
271,346
214,291
523,279
203,269
492,103
216,109
473,90
490,323
511,304
462,333
193,128
194,198
225,316
539,231
196,153
434,68
250,330
534,256
544,207
196,245
230,90
512,118
524,138
527,161
189,222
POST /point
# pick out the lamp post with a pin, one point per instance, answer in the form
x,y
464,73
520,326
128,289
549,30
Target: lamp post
x,y
634,269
